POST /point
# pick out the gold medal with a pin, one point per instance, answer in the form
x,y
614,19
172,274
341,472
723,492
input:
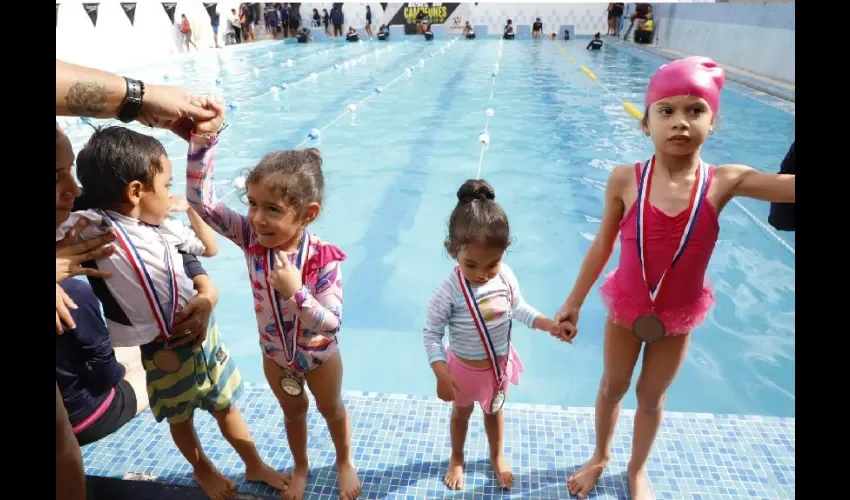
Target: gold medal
x,y
649,328
166,361
291,385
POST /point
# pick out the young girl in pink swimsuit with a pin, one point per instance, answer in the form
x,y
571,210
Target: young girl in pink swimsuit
x,y
666,212
297,287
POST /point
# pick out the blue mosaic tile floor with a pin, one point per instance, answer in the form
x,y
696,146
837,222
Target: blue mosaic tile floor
x,y
401,447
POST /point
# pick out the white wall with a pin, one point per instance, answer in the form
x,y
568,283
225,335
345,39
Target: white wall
x,y
116,43
587,18
756,37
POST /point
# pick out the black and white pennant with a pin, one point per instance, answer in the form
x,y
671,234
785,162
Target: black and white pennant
x,y
91,10
130,10
169,9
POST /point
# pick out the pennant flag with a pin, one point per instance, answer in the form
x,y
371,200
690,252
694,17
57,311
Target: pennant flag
x,y
210,6
130,10
91,10
169,9
384,6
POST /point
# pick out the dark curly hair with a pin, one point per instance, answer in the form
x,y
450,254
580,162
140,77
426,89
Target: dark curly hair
x,y
477,219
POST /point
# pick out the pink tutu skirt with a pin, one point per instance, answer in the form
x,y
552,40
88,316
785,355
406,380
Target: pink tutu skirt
x,y
478,384
625,307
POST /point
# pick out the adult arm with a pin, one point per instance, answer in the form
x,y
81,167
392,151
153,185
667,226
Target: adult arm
x,y
82,91
782,215
93,337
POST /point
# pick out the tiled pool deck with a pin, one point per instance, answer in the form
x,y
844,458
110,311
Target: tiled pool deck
x,y
401,447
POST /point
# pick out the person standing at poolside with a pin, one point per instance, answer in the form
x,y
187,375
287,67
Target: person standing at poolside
x,y
666,213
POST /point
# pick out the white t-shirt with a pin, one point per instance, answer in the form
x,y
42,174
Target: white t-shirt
x,y
135,323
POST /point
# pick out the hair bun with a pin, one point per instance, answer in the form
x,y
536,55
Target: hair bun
x,y
475,189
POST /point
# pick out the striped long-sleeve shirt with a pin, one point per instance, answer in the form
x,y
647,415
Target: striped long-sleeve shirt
x,y
448,308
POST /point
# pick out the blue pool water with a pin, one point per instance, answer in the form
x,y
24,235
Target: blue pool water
x,y
392,172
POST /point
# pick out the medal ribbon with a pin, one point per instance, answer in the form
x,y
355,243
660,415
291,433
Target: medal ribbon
x,y
481,325
698,194
274,297
132,253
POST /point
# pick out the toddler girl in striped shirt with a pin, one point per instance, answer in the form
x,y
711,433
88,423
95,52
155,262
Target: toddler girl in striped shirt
x,y
478,302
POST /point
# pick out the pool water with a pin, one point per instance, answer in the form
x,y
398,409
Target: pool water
x,y
392,170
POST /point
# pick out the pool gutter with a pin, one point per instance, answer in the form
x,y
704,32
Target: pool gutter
x,y
778,89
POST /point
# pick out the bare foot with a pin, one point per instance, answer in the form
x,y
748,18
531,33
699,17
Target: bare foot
x,y
297,483
639,484
583,481
503,471
265,474
348,482
214,484
454,476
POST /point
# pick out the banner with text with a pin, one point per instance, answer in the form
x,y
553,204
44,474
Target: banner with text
x,y
439,14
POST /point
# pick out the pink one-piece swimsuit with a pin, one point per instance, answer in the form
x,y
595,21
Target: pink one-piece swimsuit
x,y
685,298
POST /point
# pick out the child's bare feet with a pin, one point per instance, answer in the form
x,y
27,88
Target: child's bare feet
x,y
214,484
503,471
583,481
265,474
639,484
348,482
297,484
454,475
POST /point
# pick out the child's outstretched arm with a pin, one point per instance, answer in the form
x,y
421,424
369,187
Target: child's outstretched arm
x,y
200,188
204,232
200,239
601,248
741,180
524,312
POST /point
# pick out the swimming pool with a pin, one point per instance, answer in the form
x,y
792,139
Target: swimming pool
x,y
392,171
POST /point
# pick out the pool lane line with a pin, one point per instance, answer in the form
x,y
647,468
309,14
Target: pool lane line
x,y
485,145
375,92
413,53
638,115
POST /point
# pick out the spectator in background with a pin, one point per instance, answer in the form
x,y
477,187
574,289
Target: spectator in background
x,y
234,26
326,19
782,215
284,20
368,21
337,19
294,18
186,30
619,7
641,11
644,30
566,34
246,19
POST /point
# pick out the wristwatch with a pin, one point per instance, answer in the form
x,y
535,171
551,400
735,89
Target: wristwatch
x,y
132,105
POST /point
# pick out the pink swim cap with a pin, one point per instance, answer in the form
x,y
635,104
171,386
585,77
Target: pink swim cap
x,y
697,76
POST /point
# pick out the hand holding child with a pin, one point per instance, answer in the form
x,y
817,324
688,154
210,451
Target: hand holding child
x,y
547,325
285,277
566,321
212,126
